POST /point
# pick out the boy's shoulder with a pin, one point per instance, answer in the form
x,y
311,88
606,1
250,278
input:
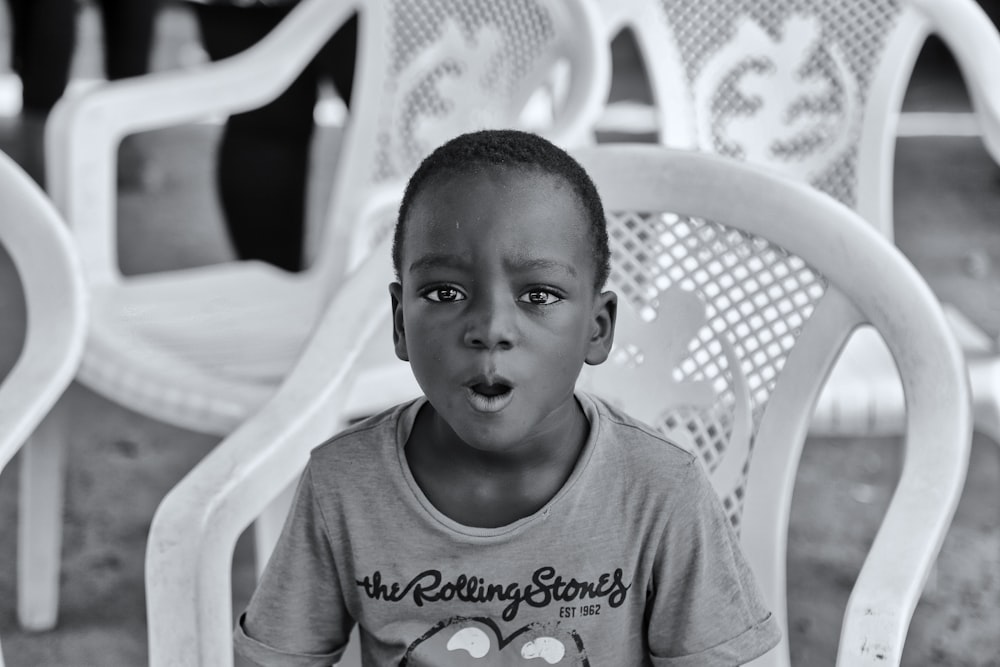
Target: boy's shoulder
x,y
654,470
645,457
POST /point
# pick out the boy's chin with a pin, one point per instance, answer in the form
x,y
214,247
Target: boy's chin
x,y
490,439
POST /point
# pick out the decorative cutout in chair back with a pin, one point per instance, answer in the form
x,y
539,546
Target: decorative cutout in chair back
x,y
450,67
707,317
782,83
456,66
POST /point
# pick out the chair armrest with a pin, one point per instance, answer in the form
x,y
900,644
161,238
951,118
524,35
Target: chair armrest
x,y
936,455
37,241
194,531
889,586
975,43
84,130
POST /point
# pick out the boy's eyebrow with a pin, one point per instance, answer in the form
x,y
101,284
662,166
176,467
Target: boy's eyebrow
x,y
540,264
437,260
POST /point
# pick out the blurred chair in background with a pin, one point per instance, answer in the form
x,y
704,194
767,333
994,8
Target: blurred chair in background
x,y
43,36
35,237
734,303
204,348
263,155
813,89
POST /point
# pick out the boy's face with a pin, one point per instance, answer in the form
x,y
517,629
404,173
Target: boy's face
x,y
496,311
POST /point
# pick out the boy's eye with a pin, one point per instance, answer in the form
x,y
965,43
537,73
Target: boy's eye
x,y
444,294
539,297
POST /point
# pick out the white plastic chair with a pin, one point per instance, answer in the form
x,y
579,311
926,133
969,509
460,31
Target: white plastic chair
x,y
204,348
36,239
813,89
750,333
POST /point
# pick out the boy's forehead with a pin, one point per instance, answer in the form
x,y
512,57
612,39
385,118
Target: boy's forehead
x,y
533,212
473,189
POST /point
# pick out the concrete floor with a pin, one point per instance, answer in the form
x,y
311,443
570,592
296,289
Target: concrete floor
x,y
121,464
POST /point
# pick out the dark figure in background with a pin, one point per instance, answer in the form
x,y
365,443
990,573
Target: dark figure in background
x,y
44,41
263,155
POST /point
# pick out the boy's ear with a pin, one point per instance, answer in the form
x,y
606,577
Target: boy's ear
x,y
398,331
603,333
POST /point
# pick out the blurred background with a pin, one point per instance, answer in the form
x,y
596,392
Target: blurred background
x,y
947,222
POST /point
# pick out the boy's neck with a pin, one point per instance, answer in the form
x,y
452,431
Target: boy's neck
x,y
492,489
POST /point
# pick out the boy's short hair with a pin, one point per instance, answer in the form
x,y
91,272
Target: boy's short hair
x,y
511,149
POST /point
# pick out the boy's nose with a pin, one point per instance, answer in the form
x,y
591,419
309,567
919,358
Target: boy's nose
x,y
491,325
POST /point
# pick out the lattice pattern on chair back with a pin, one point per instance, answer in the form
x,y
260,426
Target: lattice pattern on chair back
x,y
696,300
783,83
454,66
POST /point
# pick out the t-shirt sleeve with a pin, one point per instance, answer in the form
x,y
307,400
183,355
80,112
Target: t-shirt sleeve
x,y
296,616
706,607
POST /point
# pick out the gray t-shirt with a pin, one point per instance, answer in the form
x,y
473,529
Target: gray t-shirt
x,y
633,562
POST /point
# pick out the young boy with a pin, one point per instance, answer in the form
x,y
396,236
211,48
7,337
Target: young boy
x,y
504,516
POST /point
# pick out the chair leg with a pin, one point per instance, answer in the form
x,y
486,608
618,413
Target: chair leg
x,y
40,519
267,527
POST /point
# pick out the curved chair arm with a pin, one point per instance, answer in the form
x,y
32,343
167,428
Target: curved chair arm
x,y
936,453
938,438
974,41
42,251
84,130
890,294
194,531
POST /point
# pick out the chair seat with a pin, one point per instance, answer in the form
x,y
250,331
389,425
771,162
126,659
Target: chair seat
x,y
203,347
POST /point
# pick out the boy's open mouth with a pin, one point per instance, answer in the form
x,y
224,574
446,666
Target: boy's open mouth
x,y
490,394
490,389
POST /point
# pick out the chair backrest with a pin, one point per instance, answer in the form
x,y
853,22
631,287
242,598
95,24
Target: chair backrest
x,y
737,289
35,238
811,88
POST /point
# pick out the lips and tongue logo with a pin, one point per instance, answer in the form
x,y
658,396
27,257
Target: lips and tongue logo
x,y
478,642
